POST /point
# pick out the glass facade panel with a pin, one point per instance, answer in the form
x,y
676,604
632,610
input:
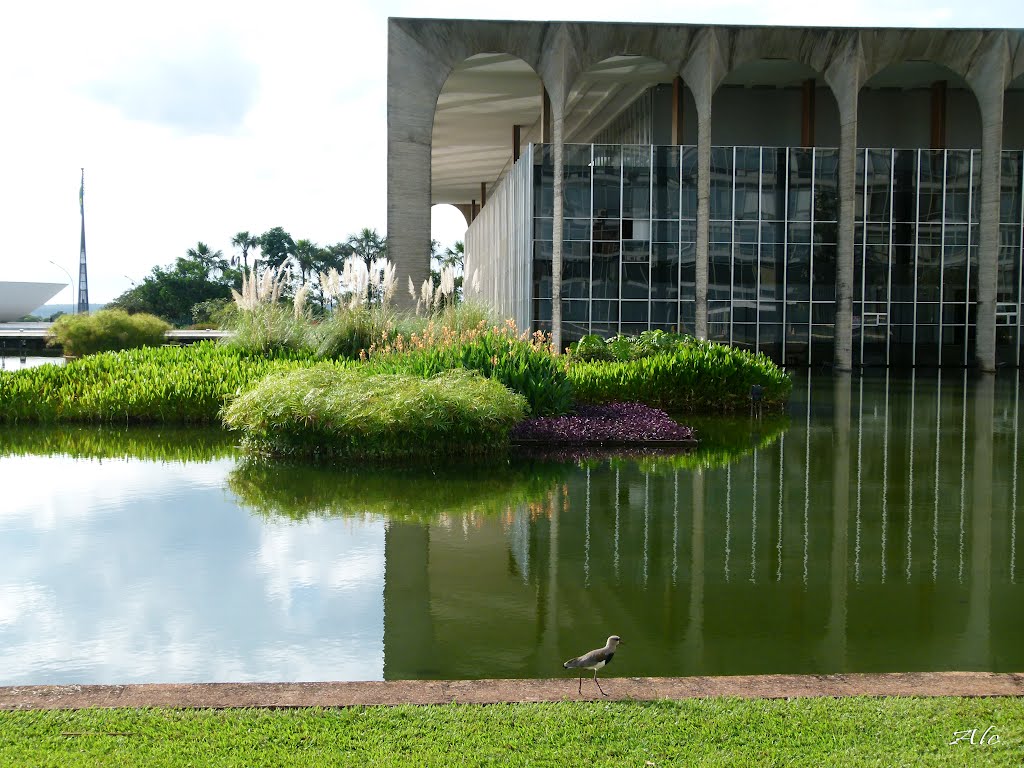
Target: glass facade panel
x,y
629,253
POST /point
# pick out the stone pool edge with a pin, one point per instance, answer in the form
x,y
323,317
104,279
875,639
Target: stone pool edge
x,y
393,692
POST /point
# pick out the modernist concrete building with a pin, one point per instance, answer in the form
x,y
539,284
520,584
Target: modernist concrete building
x,y
837,196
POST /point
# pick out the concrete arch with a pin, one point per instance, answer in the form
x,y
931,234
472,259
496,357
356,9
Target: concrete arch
x,y
474,136
628,99
590,44
793,103
918,103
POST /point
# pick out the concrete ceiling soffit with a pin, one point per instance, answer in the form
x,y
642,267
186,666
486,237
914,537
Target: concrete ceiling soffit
x,y
952,49
1016,41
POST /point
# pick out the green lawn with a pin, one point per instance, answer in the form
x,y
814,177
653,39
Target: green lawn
x,y
704,732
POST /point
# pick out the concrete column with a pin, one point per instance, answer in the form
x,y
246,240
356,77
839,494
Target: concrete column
x,y
558,161
413,85
846,86
988,77
703,211
988,235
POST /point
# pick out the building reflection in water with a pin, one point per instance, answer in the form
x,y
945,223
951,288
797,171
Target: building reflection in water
x,y
652,550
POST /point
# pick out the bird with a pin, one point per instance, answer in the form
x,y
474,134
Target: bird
x,y
594,660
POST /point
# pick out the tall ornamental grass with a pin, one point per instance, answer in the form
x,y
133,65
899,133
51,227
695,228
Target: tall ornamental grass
x,y
106,331
698,376
323,413
522,363
182,385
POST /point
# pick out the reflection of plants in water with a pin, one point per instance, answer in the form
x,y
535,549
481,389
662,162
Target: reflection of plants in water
x,y
179,444
414,493
723,440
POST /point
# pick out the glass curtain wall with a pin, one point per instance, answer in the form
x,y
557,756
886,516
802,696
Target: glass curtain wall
x,y
630,234
628,255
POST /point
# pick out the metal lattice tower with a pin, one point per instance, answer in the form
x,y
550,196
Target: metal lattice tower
x,y
83,280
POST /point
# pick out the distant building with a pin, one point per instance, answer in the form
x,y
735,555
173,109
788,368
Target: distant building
x,y
18,299
827,196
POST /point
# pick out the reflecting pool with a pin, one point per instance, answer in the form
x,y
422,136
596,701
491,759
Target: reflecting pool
x,y
872,528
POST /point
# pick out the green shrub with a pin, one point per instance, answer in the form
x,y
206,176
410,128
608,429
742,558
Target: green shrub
x,y
106,331
526,368
650,342
155,384
324,413
696,376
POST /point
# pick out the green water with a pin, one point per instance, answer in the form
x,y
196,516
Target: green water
x,y
872,528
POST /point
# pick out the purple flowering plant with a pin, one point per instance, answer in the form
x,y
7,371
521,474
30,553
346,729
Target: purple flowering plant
x,y
611,422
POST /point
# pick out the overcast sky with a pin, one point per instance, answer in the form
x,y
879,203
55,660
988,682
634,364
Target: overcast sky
x,y
200,118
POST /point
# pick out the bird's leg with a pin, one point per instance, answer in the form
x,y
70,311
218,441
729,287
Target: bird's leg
x,y
598,684
581,685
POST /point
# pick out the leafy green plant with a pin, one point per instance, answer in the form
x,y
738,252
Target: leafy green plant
x,y
326,413
105,331
524,367
696,376
183,385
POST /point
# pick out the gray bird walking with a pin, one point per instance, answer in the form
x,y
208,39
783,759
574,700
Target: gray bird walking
x,y
594,660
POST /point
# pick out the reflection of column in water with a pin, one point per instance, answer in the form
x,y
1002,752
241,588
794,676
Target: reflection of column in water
x,y
910,476
778,543
807,473
836,633
979,601
753,528
860,445
695,627
675,526
1013,489
885,475
935,511
647,516
586,536
728,517
615,555
963,472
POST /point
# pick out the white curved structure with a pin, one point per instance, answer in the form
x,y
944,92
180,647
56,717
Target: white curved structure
x,y
18,299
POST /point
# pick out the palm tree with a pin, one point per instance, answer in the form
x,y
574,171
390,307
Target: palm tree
x,y
454,257
212,261
246,242
368,245
306,255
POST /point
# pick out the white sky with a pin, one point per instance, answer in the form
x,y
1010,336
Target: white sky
x,y
201,118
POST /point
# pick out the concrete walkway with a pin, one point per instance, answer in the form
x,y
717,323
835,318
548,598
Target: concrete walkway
x,y
230,695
